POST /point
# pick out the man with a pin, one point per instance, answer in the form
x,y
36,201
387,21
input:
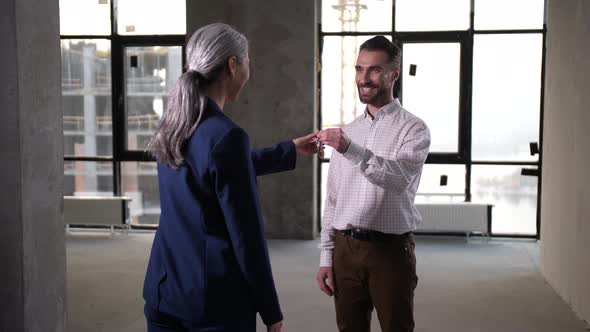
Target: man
x,y
367,248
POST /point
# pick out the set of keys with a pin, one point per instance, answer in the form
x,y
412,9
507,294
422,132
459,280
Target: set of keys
x,y
320,148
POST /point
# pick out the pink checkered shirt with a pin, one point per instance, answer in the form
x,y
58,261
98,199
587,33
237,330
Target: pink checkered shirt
x,y
373,184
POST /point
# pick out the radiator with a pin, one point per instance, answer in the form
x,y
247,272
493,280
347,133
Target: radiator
x,y
93,210
455,217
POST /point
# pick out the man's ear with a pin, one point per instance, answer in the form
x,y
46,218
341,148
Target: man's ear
x,y
395,73
231,65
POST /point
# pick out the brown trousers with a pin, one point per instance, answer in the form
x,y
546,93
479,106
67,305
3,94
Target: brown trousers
x,y
379,274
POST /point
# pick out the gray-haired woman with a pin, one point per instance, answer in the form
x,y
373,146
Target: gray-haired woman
x,y
209,268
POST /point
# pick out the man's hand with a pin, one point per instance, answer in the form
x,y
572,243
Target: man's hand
x,y
324,273
276,327
306,145
335,138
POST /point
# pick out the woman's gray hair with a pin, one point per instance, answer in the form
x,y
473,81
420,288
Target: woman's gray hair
x,y
207,52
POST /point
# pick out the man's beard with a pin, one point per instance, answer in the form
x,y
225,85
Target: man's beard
x,y
379,95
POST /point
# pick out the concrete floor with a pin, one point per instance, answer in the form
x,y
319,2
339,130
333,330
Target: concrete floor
x,y
464,286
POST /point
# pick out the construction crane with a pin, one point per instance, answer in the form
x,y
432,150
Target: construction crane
x,y
349,16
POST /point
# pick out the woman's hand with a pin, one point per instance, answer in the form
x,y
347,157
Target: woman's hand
x,y
276,327
306,145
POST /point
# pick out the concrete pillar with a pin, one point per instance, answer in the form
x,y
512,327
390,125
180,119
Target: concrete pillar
x,y
565,209
279,102
32,245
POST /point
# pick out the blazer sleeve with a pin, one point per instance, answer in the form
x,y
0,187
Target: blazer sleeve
x,y
233,174
278,158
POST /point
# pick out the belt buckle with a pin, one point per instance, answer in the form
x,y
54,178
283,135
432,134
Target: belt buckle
x,y
359,234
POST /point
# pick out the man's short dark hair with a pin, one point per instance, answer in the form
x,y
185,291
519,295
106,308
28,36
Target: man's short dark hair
x,y
380,43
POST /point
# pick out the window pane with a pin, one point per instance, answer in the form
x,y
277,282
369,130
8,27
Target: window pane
x,y
433,189
339,95
86,97
430,90
151,17
87,178
506,96
356,15
85,17
508,14
432,15
514,197
150,73
139,181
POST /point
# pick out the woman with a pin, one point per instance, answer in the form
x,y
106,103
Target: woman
x,y
209,268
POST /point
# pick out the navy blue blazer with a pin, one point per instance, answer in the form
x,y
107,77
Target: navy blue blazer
x,y
209,261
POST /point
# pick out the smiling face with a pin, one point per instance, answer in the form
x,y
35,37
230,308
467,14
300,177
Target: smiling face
x,y
375,77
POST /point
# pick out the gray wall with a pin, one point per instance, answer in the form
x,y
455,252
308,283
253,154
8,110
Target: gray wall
x,y
565,201
279,101
32,245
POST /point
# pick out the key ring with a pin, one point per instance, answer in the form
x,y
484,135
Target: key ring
x,y
320,148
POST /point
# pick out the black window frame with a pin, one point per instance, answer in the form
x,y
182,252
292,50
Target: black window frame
x,y
119,125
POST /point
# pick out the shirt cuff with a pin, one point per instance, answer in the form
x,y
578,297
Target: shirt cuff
x,y
326,257
355,153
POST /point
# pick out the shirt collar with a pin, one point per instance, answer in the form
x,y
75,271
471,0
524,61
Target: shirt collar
x,y
385,110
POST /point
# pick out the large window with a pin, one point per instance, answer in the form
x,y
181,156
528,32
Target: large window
x,y
116,75
433,70
472,70
506,101
150,74
431,15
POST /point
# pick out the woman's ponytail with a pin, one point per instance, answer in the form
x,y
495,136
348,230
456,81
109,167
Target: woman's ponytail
x,y
179,121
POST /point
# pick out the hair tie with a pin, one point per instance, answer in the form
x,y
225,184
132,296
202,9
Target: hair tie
x,y
200,77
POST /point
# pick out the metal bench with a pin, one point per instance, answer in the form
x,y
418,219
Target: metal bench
x,y
97,211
